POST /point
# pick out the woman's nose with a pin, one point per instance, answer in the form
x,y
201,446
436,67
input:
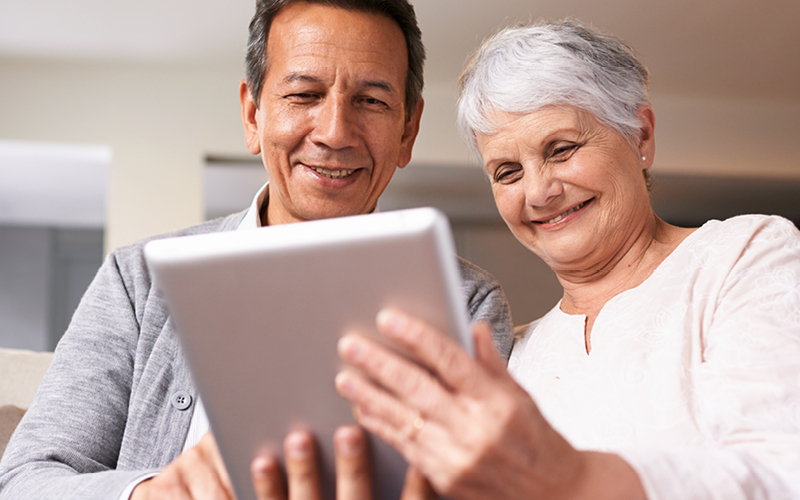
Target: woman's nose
x,y
540,188
335,124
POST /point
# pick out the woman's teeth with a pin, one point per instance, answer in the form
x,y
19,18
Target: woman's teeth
x,y
333,174
561,216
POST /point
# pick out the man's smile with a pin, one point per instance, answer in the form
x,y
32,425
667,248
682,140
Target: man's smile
x,y
333,174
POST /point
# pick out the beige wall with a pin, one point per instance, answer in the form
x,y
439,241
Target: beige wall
x,y
161,121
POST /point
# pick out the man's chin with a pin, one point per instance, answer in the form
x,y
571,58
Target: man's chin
x,y
331,210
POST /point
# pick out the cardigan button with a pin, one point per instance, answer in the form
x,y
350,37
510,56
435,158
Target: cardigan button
x,y
181,400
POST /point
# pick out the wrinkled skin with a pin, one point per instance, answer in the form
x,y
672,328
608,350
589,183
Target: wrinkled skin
x,y
482,436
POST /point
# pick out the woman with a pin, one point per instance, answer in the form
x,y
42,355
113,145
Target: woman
x,y
671,366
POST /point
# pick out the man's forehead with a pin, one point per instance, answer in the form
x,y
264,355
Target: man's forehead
x,y
316,28
318,43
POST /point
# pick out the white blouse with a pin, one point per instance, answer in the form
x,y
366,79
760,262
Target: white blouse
x,y
694,375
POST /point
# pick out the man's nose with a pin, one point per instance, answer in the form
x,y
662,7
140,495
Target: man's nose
x,y
540,187
335,123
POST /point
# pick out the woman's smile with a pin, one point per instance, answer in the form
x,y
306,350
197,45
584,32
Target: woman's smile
x,y
548,223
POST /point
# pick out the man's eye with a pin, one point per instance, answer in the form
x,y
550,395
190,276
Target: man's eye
x,y
371,101
301,96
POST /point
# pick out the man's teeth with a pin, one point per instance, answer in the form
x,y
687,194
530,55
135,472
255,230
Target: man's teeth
x,y
333,174
559,217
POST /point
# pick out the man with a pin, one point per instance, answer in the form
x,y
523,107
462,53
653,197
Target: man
x,y
332,102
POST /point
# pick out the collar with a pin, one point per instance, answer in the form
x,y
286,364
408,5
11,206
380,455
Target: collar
x,y
252,218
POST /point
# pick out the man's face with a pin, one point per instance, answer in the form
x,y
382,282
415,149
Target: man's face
x,y
330,124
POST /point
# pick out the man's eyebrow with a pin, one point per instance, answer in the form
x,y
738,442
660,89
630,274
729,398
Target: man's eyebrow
x,y
301,77
379,84
375,84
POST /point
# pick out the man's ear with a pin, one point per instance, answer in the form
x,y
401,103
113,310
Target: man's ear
x,y
647,138
410,135
249,110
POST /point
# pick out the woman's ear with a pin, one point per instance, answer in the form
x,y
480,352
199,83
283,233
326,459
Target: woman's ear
x,y
647,140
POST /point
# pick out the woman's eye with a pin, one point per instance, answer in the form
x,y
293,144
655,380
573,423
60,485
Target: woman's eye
x,y
563,152
507,174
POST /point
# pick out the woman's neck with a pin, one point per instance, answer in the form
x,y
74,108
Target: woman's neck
x,y
587,291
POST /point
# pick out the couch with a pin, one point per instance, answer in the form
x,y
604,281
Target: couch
x,y
21,372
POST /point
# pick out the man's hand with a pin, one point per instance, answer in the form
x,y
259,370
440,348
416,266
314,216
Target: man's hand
x,y
353,479
199,473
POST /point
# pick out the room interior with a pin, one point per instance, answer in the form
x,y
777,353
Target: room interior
x,y
154,85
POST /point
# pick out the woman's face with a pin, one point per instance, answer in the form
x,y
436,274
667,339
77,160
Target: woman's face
x,y
570,189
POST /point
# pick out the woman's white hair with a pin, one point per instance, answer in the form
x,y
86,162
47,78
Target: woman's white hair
x,y
523,69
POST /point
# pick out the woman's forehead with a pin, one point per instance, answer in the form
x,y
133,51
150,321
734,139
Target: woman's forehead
x,y
538,124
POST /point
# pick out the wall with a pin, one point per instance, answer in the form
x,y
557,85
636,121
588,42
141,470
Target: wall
x,y
25,292
162,121
44,272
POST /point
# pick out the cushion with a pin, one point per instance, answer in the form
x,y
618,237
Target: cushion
x,y
21,372
10,416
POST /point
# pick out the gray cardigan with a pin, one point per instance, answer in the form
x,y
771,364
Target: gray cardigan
x,y
103,415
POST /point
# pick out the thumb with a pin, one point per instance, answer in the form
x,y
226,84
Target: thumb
x,y
417,487
485,353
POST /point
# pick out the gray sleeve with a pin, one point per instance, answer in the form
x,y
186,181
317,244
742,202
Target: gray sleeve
x,y
486,301
67,444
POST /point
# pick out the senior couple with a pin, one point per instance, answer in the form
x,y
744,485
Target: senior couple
x,y
669,369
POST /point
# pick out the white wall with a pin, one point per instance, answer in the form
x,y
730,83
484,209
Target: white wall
x,y
161,121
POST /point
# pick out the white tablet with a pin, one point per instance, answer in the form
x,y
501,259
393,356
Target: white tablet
x,y
259,314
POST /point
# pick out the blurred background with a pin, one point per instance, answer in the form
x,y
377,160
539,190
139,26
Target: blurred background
x,y
120,120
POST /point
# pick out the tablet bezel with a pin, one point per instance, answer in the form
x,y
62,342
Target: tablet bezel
x,y
318,280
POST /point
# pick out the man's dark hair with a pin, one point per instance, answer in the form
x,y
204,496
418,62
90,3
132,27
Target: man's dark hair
x,y
400,11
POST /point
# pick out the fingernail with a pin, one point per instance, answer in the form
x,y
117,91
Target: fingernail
x,y
344,384
392,321
350,444
260,466
351,348
298,446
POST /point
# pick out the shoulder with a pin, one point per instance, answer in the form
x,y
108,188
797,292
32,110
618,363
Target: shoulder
x,y
228,223
124,278
480,288
745,269
486,301
748,228
740,239
129,259
475,277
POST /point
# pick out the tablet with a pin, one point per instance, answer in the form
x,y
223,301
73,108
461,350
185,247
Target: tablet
x,y
259,314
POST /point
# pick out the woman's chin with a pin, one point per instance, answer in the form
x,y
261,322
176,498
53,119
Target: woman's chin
x,y
565,254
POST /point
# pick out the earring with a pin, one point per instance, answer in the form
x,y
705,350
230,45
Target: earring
x,y
644,158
